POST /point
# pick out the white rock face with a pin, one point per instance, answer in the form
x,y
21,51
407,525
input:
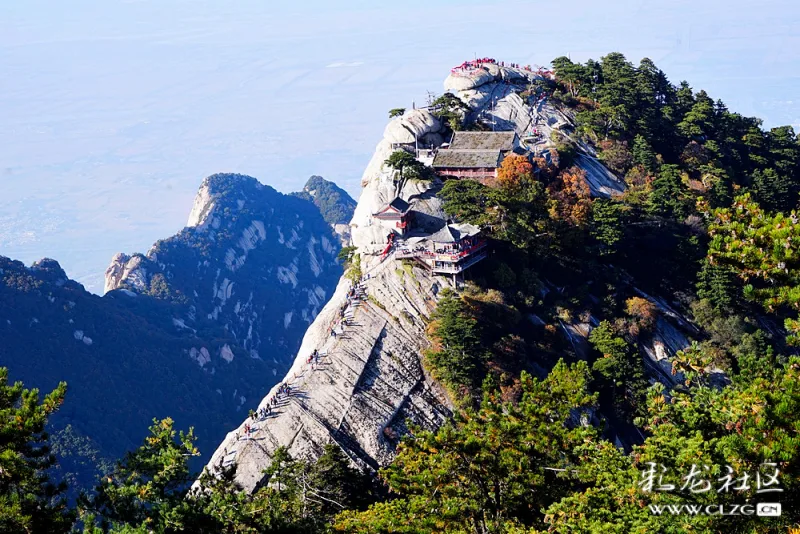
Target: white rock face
x,y
288,275
313,261
413,124
124,267
202,208
369,379
463,82
202,357
379,187
251,237
226,353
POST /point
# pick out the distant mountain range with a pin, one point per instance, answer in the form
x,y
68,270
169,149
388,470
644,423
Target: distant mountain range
x,y
196,329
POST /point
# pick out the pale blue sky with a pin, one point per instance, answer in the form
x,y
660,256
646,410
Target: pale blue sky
x,y
113,111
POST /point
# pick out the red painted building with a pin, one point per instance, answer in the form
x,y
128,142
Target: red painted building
x,y
396,215
474,155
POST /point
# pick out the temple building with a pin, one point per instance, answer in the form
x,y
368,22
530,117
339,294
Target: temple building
x,y
450,251
475,155
395,216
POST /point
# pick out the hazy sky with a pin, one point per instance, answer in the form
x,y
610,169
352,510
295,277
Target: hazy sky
x,y
113,111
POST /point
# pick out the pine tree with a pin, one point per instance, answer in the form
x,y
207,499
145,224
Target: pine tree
x,y
643,154
606,226
490,470
29,500
147,489
774,192
460,354
667,198
716,284
620,371
763,251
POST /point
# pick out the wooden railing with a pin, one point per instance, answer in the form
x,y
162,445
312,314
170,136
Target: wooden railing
x,y
455,268
455,262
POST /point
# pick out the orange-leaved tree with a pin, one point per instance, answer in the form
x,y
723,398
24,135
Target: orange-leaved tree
x,y
514,171
571,197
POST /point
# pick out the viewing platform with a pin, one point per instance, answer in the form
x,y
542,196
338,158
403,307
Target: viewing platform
x,y
451,251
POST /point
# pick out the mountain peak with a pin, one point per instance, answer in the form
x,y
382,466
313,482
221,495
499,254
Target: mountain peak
x,y
333,202
222,186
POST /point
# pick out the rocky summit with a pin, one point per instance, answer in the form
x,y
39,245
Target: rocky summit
x,y
252,266
358,380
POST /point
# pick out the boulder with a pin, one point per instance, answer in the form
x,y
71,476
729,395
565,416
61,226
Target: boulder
x,y
410,126
462,82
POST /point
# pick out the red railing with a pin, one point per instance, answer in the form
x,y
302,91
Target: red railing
x,y
451,257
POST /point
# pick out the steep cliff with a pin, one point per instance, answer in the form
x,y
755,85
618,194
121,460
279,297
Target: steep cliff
x,y
359,385
252,266
369,380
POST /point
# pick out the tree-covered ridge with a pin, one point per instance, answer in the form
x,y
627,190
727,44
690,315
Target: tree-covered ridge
x,y
538,465
124,359
684,159
673,143
333,202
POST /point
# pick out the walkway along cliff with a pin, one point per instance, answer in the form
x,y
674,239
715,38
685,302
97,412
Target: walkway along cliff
x,y
358,379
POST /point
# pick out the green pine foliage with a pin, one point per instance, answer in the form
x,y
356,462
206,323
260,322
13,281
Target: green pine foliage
x,y
333,202
491,469
407,166
458,355
29,500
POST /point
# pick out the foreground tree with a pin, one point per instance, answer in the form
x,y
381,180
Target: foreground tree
x,y
490,470
458,356
149,491
751,427
146,490
29,500
763,250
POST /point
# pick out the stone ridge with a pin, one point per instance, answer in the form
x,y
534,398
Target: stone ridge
x,y
370,381
367,386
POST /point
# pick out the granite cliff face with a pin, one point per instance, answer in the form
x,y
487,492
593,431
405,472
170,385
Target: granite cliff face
x,y
359,386
369,381
252,265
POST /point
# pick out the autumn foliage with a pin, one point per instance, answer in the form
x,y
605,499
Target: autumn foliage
x,y
513,171
571,195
